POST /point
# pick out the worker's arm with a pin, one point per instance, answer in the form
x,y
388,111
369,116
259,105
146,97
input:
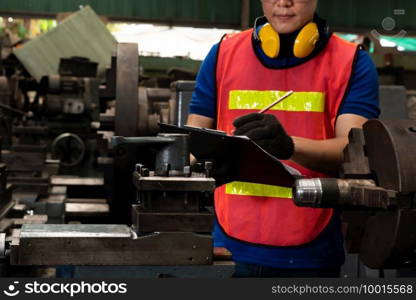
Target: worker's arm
x,y
326,155
200,121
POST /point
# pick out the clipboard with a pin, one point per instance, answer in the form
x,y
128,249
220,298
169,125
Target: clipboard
x,y
250,163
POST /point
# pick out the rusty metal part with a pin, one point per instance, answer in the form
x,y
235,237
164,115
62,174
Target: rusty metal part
x,y
390,240
390,149
127,97
107,245
356,163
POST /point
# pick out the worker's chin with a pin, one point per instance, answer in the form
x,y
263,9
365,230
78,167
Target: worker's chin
x,y
286,27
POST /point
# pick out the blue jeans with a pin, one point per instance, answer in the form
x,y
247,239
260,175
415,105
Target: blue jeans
x,y
243,270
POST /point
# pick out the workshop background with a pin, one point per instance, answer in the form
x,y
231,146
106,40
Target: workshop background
x,y
90,185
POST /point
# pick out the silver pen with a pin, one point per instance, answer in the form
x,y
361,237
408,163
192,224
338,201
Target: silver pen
x,y
276,102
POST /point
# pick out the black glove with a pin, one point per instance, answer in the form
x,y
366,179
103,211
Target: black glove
x,y
267,132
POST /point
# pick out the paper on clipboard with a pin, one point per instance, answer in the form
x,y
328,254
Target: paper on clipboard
x,y
250,162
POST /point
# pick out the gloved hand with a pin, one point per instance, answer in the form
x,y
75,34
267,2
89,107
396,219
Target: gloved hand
x,y
267,132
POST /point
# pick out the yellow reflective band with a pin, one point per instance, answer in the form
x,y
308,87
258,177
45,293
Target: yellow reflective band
x,y
297,102
254,189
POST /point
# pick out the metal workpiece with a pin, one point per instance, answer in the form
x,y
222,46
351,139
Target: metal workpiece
x,y
389,240
172,159
107,245
355,163
342,193
308,192
390,147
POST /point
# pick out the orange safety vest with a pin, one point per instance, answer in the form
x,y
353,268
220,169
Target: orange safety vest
x,y
264,214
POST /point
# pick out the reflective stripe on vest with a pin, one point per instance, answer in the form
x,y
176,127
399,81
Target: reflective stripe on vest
x,y
297,102
259,190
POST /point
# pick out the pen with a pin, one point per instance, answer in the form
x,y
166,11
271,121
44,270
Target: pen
x,y
276,102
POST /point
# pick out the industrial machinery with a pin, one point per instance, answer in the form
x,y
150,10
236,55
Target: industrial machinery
x,y
171,222
136,113
160,208
137,199
376,191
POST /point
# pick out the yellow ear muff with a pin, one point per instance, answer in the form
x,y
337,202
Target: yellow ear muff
x,y
270,41
306,40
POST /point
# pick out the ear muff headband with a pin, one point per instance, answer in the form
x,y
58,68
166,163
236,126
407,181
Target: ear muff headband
x,y
304,45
